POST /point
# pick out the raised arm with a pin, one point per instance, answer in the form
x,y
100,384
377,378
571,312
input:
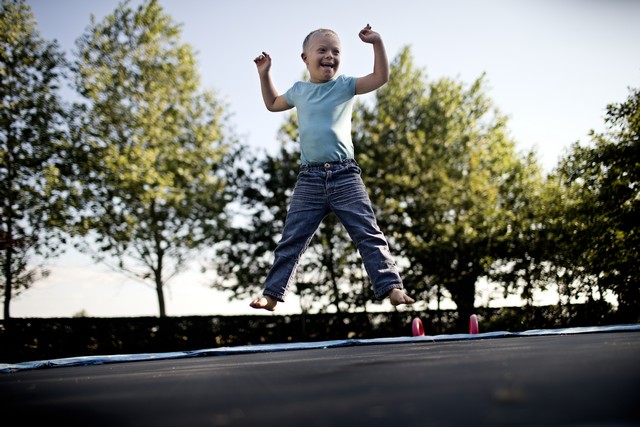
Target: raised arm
x,y
272,100
380,74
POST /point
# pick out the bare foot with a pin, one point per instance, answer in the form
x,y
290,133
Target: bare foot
x,y
398,297
265,302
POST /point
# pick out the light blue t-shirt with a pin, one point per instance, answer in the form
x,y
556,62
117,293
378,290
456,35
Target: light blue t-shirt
x,y
324,118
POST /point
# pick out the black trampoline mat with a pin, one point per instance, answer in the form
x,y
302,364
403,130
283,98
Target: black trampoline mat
x,y
588,379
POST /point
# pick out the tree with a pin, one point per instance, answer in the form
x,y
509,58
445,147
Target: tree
x,y
600,245
34,152
446,179
530,265
159,161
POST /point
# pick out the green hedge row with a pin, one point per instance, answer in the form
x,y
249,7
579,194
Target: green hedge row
x,y
31,339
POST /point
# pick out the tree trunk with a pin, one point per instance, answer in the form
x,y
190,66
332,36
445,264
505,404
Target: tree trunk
x,y
463,293
7,246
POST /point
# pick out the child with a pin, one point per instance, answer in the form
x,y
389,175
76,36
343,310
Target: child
x,y
329,178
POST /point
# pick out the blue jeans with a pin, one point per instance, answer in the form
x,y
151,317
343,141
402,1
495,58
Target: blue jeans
x,y
320,189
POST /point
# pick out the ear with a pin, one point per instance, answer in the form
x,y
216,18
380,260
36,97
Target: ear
x,y
304,57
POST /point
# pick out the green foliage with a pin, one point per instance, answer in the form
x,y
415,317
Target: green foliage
x,y
531,263
159,161
34,151
146,168
600,239
452,193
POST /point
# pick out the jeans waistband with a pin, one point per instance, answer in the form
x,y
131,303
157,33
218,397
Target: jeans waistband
x,y
328,165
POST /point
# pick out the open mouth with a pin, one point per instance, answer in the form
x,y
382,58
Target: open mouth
x,y
327,65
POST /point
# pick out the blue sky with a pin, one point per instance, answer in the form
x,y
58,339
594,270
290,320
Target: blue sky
x,y
551,66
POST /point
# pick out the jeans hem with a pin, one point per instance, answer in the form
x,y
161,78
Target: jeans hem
x,y
385,291
279,298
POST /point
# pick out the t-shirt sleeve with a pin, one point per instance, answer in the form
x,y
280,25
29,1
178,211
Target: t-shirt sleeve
x,y
351,83
290,97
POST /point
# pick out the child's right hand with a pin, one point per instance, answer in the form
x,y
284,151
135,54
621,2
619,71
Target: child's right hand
x,y
263,62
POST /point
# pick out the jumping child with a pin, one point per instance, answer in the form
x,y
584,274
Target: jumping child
x,y
329,179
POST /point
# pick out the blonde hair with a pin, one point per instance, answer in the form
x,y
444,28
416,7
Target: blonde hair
x,y
317,32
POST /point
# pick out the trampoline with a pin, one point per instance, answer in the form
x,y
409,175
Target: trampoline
x,y
565,377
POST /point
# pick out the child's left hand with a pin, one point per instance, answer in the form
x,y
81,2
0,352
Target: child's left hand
x,y
367,35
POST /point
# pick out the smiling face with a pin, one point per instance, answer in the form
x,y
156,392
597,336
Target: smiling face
x,y
321,54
